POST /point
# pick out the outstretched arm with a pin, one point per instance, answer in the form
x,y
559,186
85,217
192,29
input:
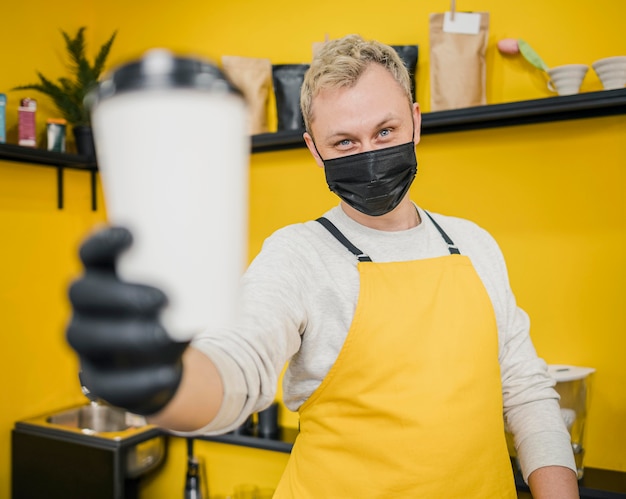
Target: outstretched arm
x,y
198,398
553,482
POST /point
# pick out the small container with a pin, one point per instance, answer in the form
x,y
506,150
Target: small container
x,y
27,128
56,131
267,426
3,122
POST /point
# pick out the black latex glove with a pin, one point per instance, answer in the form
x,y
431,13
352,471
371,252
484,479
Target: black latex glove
x,y
127,358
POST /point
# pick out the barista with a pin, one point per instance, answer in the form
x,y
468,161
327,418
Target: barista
x,y
404,341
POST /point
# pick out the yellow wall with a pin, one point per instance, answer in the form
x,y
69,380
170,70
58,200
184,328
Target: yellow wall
x,y
37,253
552,194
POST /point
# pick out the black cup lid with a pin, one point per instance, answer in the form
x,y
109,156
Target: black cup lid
x,y
160,69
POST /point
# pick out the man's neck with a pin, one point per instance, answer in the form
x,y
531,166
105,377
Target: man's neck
x,y
403,217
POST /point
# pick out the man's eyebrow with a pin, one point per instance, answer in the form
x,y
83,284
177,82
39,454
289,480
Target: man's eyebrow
x,y
334,136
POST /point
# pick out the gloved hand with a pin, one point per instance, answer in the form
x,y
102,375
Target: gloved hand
x,y
127,358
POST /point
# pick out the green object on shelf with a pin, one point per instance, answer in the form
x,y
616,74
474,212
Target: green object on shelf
x,y
68,93
531,56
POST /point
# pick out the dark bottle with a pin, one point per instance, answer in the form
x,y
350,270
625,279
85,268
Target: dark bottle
x,y
193,481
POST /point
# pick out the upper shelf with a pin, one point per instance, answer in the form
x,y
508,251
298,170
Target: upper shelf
x,y
569,107
12,152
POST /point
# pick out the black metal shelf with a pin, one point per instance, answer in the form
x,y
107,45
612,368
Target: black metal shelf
x,y
278,141
549,109
282,442
58,160
11,152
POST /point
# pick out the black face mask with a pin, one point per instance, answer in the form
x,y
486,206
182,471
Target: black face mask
x,y
373,182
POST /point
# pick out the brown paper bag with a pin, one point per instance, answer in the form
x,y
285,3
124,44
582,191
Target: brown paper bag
x,y
457,65
253,76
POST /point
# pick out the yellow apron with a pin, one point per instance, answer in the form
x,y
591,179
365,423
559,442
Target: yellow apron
x,y
413,405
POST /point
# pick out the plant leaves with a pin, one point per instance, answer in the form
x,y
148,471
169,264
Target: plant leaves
x,y
68,94
531,56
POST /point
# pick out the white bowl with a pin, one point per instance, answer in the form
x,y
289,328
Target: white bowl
x,y
567,79
617,61
611,71
568,70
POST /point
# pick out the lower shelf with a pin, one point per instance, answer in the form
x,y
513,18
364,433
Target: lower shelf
x,y
282,442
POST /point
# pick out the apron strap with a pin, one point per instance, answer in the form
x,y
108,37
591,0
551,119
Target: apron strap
x,y
362,257
451,246
342,239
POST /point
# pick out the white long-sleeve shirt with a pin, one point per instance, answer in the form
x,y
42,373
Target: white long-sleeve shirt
x,y
298,299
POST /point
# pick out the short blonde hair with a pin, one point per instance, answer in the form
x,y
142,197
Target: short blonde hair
x,y
341,62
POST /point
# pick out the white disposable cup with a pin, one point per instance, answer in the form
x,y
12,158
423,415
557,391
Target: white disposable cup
x,y
174,165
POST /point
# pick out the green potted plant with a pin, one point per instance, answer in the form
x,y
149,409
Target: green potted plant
x,y
68,94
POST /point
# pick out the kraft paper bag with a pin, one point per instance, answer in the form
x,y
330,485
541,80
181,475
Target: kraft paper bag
x,y
253,76
458,42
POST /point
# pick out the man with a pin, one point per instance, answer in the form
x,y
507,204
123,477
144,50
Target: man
x,y
404,341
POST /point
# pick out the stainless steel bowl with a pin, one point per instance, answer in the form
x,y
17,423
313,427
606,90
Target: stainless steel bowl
x,y
93,417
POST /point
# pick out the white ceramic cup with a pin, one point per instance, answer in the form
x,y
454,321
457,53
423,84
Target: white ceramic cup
x,y
567,79
611,71
173,153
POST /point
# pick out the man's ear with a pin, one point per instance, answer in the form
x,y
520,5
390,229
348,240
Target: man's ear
x,y
308,140
417,123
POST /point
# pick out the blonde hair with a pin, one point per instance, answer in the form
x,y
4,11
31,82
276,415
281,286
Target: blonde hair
x,y
341,62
